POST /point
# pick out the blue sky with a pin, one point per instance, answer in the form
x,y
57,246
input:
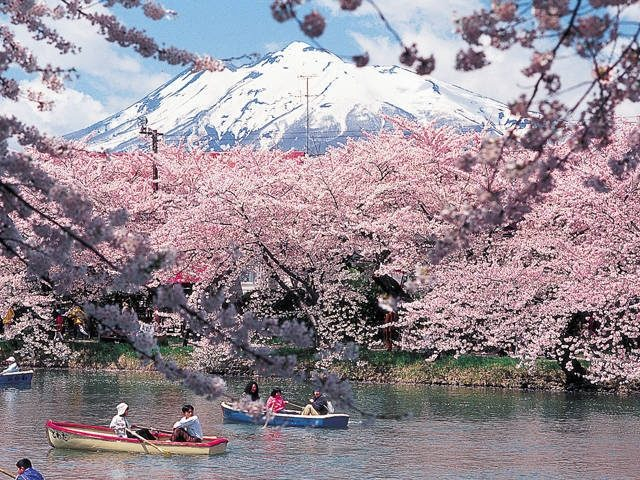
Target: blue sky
x,y
232,28
111,78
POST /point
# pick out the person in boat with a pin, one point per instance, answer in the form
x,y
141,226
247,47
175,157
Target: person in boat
x,y
12,365
26,471
276,401
318,405
252,391
120,424
188,428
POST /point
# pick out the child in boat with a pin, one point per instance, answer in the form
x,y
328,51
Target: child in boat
x,y
276,402
251,391
188,428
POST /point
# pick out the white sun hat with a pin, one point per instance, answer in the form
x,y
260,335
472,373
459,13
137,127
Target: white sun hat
x,y
11,359
122,407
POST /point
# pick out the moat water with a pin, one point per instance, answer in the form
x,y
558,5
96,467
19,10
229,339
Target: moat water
x,y
448,433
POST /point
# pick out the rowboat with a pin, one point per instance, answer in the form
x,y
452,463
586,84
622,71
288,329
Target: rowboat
x,y
285,418
95,438
21,379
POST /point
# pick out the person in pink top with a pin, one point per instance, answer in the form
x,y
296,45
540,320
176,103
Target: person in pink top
x,y
276,402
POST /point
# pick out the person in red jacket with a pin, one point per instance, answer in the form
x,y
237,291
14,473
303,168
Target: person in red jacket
x,y
59,321
276,402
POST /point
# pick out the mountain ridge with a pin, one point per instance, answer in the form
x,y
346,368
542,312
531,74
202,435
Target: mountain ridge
x,y
257,105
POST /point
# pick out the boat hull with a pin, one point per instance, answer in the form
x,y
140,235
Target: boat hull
x,y
22,379
86,437
332,420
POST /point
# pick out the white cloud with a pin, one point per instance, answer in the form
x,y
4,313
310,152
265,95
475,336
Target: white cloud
x,y
111,77
72,110
630,13
502,80
430,24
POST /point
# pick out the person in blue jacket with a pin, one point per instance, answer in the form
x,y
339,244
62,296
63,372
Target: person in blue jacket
x,y
26,471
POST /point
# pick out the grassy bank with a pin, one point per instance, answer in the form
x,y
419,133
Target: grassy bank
x,y
373,366
467,370
120,356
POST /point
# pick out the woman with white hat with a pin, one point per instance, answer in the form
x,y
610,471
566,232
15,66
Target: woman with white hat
x,y
13,366
119,422
121,425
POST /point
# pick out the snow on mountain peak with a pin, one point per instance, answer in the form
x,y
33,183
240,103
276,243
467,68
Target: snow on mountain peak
x,y
270,103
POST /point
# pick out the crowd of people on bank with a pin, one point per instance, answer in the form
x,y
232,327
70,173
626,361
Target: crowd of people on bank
x,y
72,323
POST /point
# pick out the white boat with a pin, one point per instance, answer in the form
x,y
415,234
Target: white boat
x,y
95,438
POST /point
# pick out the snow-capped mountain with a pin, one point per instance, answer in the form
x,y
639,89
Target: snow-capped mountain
x,y
265,105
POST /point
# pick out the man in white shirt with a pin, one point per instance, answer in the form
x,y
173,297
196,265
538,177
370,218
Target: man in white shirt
x,y
188,428
13,366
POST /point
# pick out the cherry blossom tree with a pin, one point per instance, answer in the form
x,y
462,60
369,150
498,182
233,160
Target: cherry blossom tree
x,y
55,235
519,244
601,33
324,232
562,283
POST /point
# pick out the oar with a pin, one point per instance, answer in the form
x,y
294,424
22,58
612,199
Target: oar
x,y
297,406
144,440
7,473
266,419
153,429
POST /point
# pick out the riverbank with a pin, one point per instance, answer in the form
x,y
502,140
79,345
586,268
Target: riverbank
x,y
373,366
465,370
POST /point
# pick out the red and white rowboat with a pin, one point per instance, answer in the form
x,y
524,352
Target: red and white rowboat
x,y
88,437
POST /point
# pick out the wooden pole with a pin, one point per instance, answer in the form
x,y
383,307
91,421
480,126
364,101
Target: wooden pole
x,y
8,474
144,440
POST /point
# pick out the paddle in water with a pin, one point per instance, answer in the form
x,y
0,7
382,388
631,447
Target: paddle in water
x,y
144,440
267,415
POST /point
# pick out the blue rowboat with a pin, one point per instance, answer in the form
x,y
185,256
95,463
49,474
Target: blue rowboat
x,y
286,418
18,379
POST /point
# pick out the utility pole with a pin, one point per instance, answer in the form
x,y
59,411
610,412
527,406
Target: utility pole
x,y
307,77
144,130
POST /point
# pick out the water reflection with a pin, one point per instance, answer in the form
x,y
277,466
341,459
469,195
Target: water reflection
x,y
451,433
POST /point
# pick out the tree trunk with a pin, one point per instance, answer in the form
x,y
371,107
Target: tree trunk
x,y
575,373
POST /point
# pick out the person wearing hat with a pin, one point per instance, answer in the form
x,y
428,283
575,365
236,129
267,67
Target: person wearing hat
x,y
119,422
121,425
13,366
